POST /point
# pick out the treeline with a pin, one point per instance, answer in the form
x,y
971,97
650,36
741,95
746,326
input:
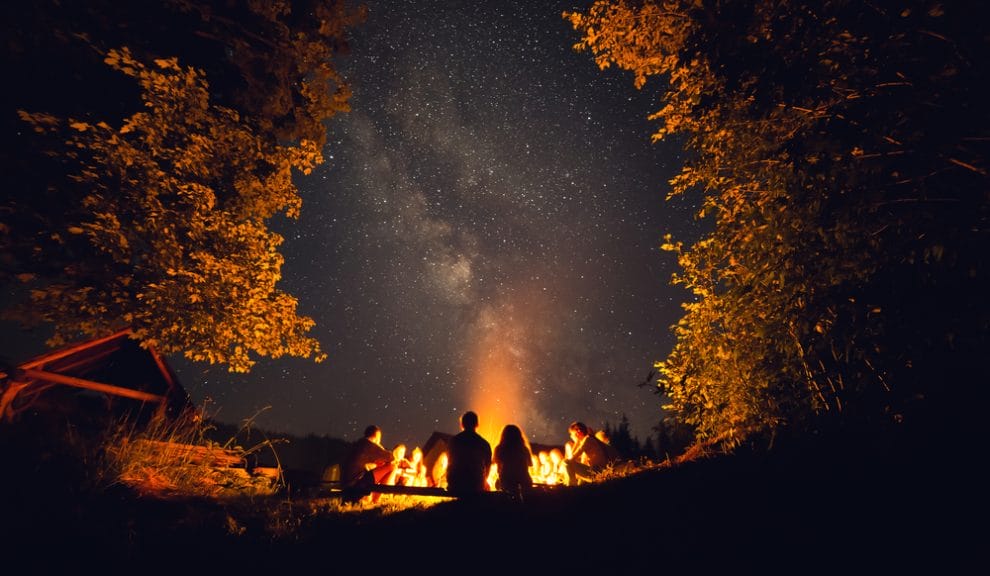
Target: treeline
x,y
304,456
670,438
839,152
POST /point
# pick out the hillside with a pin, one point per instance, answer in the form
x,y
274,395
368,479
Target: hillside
x,y
804,507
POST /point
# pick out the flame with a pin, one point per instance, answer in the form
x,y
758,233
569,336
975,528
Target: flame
x,y
498,388
498,396
409,471
548,468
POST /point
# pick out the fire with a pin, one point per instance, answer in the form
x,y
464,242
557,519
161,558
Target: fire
x,y
408,471
547,469
498,397
439,477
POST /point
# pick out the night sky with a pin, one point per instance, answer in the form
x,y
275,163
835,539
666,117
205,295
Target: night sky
x,y
484,235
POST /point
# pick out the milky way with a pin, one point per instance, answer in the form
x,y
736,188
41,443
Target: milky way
x,y
484,235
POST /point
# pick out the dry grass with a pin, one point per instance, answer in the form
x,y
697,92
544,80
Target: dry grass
x,y
625,468
172,457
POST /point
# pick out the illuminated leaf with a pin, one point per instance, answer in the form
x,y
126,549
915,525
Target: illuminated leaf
x,y
163,213
821,145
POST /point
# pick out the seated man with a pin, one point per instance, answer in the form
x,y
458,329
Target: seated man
x,y
368,462
469,459
589,455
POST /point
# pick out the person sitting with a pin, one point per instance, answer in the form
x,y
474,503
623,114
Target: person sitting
x,y
367,462
469,459
603,436
588,457
513,458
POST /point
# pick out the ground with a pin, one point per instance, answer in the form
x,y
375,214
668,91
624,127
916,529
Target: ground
x,y
806,508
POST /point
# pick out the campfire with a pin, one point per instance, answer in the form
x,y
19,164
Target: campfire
x,y
497,395
547,467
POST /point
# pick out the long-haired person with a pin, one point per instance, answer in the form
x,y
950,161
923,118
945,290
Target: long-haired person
x,y
513,457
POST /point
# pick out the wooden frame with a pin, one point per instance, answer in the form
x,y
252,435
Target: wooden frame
x,y
54,368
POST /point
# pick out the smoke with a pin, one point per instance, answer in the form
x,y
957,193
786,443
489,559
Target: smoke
x,y
503,389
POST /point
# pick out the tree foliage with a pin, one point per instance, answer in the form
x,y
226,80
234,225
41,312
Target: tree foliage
x,y
151,208
839,149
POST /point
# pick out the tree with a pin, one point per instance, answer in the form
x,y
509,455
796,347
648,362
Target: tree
x,y
840,153
649,451
622,440
673,437
155,215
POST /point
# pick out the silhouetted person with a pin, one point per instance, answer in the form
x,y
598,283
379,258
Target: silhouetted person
x,y
367,462
603,436
611,452
589,455
469,458
513,458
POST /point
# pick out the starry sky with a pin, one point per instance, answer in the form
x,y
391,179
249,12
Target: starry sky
x,y
484,235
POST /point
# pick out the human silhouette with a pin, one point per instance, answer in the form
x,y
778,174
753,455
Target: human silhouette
x,y
367,462
513,458
469,458
588,456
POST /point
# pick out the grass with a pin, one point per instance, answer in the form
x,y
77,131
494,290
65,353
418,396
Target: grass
x,y
173,457
813,507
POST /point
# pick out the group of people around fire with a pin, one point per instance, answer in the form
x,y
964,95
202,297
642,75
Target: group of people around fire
x,y
470,465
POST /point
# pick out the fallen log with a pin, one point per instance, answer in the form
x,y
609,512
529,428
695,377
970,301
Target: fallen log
x,y
334,488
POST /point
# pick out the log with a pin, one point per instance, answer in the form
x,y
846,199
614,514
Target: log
x,y
358,491
195,454
90,385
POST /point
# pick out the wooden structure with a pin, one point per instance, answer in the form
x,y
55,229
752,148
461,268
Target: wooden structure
x,y
115,365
